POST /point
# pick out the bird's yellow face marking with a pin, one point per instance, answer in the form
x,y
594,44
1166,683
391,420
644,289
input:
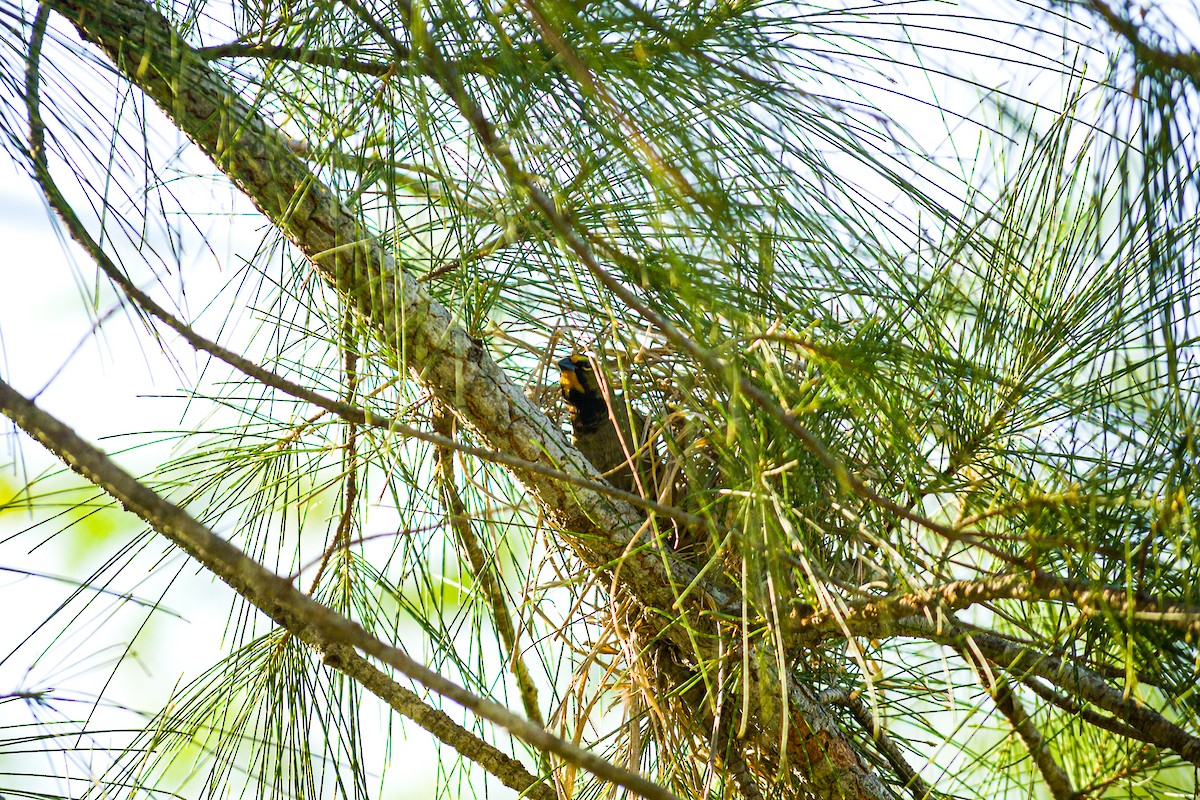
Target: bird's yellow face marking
x,y
570,382
574,374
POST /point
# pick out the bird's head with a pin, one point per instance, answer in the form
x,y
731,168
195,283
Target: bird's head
x,y
577,378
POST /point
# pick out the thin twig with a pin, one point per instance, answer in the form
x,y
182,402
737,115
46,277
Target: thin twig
x,y
299,55
341,537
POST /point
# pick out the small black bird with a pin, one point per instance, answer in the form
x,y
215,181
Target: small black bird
x,y
595,434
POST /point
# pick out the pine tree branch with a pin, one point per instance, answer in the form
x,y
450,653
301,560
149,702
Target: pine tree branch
x,y
1069,676
1077,709
1052,772
1007,702
1185,64
912,782
925,615
313,623
320,57
1033,586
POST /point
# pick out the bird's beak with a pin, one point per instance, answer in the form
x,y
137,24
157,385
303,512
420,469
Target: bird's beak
x,y
567,377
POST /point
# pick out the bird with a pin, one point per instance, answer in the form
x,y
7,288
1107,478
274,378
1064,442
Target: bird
x,y
609,433
663,478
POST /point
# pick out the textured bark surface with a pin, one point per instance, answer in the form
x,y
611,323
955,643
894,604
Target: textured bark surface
x,y
459,372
